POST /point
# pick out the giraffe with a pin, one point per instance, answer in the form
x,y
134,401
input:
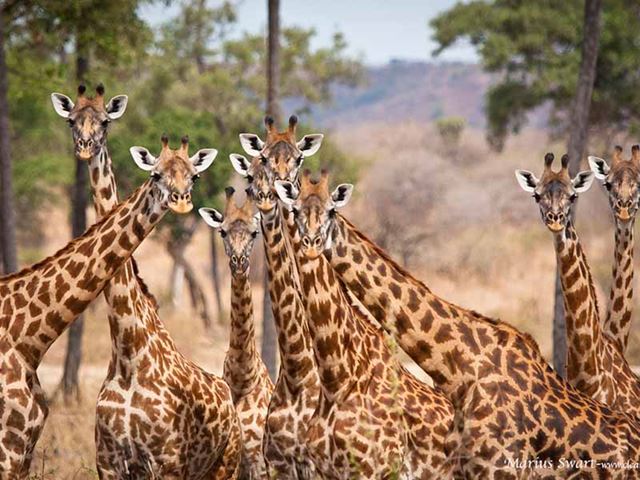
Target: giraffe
x,y
133,393
595,363
514,416
244,370
297,387
374,419
621,180
38,303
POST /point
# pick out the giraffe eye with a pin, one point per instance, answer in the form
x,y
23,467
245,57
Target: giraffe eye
x,y
254,234
223,233
156,176
607,185
573,197
536,196
105,123
71,122
250,178
195,178
263,159
332,213
299,160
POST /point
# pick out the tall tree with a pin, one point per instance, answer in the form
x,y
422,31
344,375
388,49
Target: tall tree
x,y
7,209
578,136
269,336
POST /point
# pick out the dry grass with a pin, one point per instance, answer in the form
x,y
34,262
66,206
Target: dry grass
x,y
484,248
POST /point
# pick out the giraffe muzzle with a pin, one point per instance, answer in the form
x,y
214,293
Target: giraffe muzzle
x,y
312,247
555,221
85,149
239,264
180,202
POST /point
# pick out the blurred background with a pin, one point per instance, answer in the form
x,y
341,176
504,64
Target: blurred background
x,y
427,107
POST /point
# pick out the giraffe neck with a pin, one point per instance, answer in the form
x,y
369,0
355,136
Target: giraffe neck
x,y
453,345
242,363
103,182
296,353
38,303
584,337
335,333
620,307
133,318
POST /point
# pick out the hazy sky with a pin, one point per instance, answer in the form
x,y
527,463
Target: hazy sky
x,y
379,30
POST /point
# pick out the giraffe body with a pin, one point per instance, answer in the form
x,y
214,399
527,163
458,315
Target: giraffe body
x,y
297,388
157,413
511,409
374,419
38,303
244,370
595,363
622,181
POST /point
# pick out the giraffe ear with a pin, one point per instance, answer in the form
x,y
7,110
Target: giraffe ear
x,y
143,158
212,217
310,144
251,144
240,164
582,181
341,195
116,106
287,192
203,159
527,180
599,167
62,104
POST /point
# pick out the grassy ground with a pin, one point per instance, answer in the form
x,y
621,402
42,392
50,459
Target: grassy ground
x,y
477,240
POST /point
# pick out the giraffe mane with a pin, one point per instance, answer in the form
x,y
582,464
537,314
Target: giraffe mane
x,y
143,286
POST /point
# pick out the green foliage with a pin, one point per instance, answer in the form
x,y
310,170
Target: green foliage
x,y
186,77
535,47
450,130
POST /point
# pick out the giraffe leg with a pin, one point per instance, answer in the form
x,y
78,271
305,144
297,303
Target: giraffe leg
x,y
228,468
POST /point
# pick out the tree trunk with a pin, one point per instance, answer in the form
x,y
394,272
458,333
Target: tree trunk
x,y
182,270
70,386
577,144
7,211
215,275
273,61
269,337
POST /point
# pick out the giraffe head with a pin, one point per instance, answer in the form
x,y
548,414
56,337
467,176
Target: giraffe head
x,y
238,228
89,118
174,172
555,192
622,179
314,209
260,179
281,152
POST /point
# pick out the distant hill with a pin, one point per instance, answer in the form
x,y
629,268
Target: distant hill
x,y
417,91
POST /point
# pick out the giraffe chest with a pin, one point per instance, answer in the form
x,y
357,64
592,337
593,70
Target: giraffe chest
x,y
176,423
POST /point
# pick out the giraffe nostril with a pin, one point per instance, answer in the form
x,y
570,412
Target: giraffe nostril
x,y
234,260
305,241
550,216
174,197
317,242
